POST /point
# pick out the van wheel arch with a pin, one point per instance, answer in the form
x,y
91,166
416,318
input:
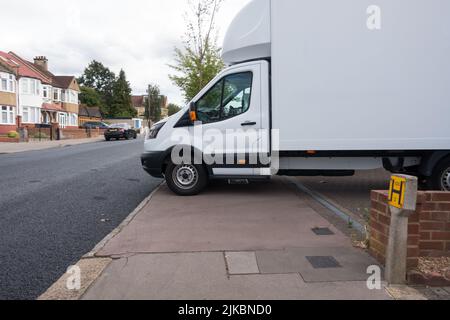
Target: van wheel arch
x,y
168,159
430,161
436,180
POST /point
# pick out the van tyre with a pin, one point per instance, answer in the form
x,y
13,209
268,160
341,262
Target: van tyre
x,y
186,179
440,179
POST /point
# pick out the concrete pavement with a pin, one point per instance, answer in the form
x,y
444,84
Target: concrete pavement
x,y
261,241
349,194
7,148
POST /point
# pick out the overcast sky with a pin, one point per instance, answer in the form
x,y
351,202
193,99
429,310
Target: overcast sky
x,y
136,35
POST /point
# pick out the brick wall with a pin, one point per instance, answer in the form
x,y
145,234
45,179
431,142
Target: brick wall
x,y
4,129
428,228
6,139
75,133
39,134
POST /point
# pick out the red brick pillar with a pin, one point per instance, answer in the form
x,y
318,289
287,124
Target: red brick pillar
x,y
428,227
19,121
379,225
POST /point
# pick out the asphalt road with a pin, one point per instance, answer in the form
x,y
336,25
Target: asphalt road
x,y
56,205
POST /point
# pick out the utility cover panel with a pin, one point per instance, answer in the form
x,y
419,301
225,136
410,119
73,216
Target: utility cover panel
x,y
323,262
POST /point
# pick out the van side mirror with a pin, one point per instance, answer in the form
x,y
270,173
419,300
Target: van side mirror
x,y
193,112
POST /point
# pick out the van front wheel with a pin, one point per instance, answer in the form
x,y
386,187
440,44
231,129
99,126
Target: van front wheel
x,y
186,179
440,180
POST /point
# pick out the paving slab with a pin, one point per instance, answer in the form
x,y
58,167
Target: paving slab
x,y
402,292
266,216
201,276
353,263
241,263
439,291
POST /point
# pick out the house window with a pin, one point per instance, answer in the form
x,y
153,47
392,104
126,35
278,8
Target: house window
x,y
46,92
7,82
30,86
72,120
24,86
7,115
12,83
73,97
57,94
31,115
62,120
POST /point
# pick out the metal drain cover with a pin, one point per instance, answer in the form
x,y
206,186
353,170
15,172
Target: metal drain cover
x,y
323,262
323,231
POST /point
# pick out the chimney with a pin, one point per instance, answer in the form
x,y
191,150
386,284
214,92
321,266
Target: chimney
x,y
41,62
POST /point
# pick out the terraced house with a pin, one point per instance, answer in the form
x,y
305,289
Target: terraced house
x,y
42,97
8,97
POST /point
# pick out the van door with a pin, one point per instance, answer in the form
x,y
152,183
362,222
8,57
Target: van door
x,y
234,116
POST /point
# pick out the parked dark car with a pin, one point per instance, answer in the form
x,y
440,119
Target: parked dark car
x,y
95,125
120,131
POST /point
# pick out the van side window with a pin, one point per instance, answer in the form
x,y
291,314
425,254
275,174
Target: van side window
x,y
228,98
236,95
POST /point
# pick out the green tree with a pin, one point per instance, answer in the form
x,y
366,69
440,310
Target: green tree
x,y
173,108
199,61
91,97
100,78
153,104
121,106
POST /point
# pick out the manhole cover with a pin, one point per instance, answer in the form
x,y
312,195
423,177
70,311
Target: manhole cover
x,y
134,180
323,262
323,231
100,198
35,181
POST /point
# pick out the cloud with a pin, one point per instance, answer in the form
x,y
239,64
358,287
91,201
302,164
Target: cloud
x,y
135,35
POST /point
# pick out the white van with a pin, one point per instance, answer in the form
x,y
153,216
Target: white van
x,y
317,88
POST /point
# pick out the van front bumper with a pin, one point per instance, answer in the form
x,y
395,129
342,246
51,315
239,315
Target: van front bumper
x,y
152,162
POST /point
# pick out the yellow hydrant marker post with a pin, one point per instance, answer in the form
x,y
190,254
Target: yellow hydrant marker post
x,y
402,202
397,192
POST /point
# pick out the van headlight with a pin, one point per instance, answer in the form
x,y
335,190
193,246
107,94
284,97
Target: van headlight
x,y
153,133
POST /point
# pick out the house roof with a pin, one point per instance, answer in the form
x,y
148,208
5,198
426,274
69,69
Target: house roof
x,y
93,112
137,101
4,69
62,81
22,67
5,66
29,69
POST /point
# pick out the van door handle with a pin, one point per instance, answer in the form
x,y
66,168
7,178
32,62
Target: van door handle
x,y
248,123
